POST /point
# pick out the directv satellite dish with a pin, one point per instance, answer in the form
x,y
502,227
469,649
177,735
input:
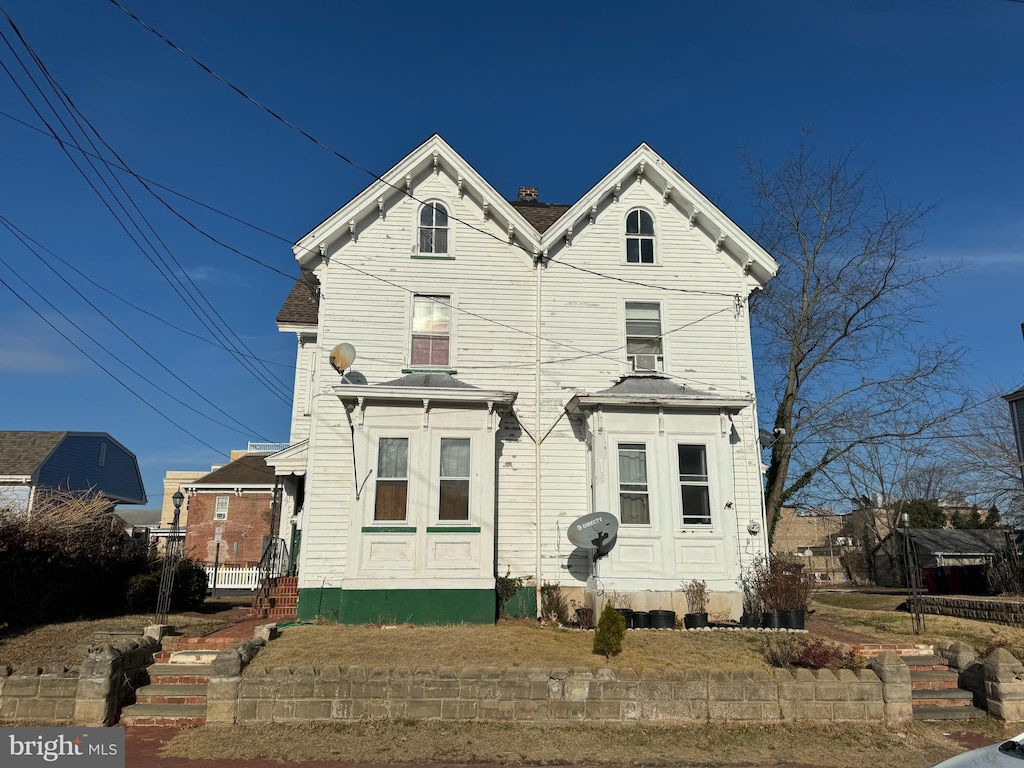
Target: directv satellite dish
x,y
342,356
596,531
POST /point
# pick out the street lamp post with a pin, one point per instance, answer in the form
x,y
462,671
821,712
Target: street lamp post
x,y
171,554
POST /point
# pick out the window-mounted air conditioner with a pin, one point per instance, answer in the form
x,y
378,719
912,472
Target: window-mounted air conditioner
x,y
645,362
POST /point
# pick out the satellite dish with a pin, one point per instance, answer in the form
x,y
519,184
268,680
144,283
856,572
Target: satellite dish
x,y
596,531
342,356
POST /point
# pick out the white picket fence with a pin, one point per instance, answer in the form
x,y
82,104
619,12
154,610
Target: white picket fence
x,y
233,576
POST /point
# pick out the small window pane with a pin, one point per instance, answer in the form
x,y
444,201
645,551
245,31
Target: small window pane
x,y
636,310
391,500
643,346
696,505
454,457
633,223
454,501
693,462
440,241
646,223
393,458
646,251
632,250
426,216
632,465
440,215
633,509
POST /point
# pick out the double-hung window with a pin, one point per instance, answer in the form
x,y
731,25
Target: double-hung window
x,y
431,330
453,503
220,511
392,479
693,484
639,237
634,500
433,229
643,336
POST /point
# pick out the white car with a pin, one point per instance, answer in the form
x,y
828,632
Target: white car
x,y
1008,754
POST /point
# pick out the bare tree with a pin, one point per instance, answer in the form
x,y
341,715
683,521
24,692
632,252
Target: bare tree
x,y
843,358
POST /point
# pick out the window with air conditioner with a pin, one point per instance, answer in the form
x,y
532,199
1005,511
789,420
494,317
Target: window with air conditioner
x,y
643,336
220,512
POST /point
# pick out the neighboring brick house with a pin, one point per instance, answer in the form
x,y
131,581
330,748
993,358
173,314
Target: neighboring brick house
x,y
230,506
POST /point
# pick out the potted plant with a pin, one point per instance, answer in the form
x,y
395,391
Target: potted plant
x,y
767,587
696,591
751,616
795,592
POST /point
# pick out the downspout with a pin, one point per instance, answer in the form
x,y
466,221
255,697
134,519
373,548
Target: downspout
x,y
537,439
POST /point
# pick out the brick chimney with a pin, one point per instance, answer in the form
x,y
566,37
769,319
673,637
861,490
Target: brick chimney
x,y
527,194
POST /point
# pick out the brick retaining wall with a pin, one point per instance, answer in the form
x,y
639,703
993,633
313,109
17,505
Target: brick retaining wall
x,y
559,695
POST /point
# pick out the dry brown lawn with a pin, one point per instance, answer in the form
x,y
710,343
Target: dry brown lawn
x,y
68,643
875,616
506,644
722,744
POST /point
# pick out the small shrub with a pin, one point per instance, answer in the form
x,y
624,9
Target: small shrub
x,y
819,654
507,586
611,630
190,584
143,591
554,605
584,615
781,649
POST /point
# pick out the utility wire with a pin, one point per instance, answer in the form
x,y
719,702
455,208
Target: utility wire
x,y
104,368
408,193
248,431
170,274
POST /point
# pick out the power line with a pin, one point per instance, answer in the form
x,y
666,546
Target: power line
x,y
408,193
142,310
106,370
150,355
169,276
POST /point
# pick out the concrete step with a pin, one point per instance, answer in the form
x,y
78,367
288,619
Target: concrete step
x,y
181,643
174,674
925,663
949,713
164,714
947,697
170,693
938,680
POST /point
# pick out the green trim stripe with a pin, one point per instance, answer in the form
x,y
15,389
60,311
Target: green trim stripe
x,y
395,606
453,529
389,529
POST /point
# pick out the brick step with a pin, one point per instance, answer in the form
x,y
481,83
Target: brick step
x,y
164,693
949,713
182,715
284,581
950,697
271,602
938,680
287,612
929,663
185,674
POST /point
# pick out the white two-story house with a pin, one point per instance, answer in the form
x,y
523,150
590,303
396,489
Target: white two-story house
x,y
519,365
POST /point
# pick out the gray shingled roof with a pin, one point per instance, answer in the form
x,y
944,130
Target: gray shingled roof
x,y
21,453
935,540
540,215
652,385
428,380
303,302
250,469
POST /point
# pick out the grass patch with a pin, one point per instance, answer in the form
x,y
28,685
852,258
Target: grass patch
x,y
720,744
506,644
68,643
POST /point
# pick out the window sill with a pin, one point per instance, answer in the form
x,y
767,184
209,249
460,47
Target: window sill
x,y
439,369
389,529
433,256
453,529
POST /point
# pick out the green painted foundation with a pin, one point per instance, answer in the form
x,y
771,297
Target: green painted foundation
x,y
398,606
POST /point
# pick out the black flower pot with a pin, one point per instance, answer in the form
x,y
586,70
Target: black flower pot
x,y
748,620
795,618
771,620
640,620
695,620
663,619
627,614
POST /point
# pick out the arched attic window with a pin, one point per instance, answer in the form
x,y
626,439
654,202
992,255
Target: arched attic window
x,y
433,228
639,237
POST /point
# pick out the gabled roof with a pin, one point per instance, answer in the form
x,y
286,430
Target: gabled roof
x,y
651,389
22,453
541,215
646,164
250,469
433,155
302,307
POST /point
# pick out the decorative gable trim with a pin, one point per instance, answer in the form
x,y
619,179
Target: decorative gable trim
x,y
373,203
646,166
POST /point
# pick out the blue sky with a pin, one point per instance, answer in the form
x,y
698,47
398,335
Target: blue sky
x,y
929,91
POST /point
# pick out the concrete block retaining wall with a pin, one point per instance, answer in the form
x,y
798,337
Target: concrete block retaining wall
x,y
561,695
90,695
993,610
